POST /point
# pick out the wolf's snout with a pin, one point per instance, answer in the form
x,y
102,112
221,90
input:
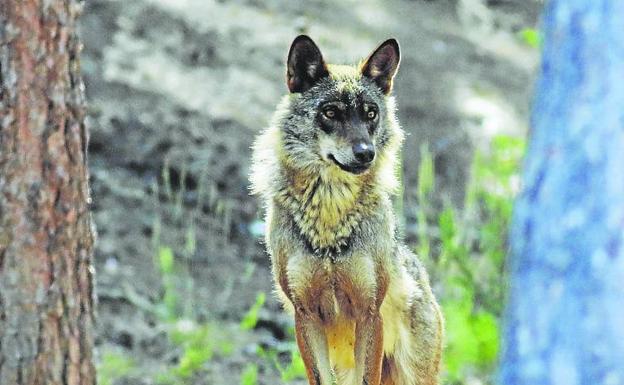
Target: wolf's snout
x,y
363,152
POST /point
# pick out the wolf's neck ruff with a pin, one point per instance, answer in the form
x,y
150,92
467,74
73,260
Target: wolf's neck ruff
x,y
327,209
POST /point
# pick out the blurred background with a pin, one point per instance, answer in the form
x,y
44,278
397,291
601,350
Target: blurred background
x,y
178,89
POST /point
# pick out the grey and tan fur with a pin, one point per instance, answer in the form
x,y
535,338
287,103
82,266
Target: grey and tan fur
x,y
325,168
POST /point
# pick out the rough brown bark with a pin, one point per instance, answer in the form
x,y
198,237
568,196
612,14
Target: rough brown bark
x,y
46,241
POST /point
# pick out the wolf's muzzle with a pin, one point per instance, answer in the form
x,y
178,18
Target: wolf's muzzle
x,y
364,152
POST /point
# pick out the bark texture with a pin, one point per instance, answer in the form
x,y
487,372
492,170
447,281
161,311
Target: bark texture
x,y
46,240
565,320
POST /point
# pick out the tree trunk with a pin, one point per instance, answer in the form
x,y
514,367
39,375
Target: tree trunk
x,y
565,319
46,241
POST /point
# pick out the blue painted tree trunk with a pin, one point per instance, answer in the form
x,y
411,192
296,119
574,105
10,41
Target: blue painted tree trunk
x,y
565,318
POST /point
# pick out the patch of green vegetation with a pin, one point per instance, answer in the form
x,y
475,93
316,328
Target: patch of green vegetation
x,y
168,309
531,37
471,245
425,186
250,319
198,344
113,366
473,338
195,343
249,375
293,370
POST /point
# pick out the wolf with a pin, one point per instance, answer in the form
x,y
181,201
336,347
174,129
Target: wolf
x,y
325,169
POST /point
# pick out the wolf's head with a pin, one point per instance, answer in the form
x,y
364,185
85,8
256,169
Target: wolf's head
x,y
339,116
338,122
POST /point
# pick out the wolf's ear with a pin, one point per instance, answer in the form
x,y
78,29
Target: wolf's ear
x,y
382,64
305,65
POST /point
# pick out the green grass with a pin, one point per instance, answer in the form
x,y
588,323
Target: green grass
x,y
250,319
198,347
168,309
113,366
425,186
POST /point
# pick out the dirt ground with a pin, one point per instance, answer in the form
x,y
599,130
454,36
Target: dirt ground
x,y
178,89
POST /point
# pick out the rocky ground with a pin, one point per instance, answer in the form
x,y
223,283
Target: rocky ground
x,y
177,91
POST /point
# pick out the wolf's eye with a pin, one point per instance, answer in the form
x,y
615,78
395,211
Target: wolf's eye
x,y
371,114
329,113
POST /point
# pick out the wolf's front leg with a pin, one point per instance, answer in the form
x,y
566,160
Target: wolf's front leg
x,y
312,343
369,348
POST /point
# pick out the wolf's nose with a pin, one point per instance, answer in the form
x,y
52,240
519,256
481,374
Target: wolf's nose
x,y
364,152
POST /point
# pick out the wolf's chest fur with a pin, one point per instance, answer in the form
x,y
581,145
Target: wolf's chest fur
x,y
327,208
336,294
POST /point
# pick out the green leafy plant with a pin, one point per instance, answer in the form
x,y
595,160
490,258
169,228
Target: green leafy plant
x,y
250,319
473,337
472,245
